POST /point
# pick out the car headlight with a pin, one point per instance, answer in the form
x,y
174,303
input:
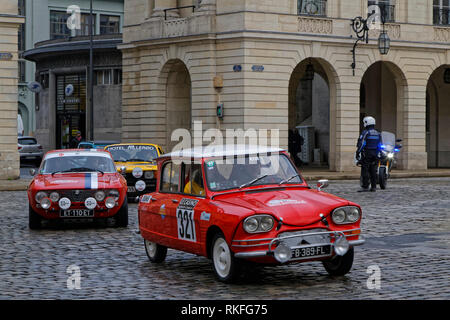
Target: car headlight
x,y
90,203
137,172
54,196
390,155
64,203
346,215
110,202
99,196
40,195
46,203
149,175
258,223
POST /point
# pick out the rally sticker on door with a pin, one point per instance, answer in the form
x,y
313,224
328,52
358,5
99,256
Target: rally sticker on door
x,y
185,220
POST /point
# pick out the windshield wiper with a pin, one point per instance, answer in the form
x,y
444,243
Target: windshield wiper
x,y
139,160
287,180
253,181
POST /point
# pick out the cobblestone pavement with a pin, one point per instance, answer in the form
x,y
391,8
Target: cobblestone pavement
x,y
407,229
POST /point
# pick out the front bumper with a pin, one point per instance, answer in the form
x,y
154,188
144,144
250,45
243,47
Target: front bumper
x,y
265,247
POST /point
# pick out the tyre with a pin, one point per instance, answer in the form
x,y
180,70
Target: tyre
x,y
122,215
155,252
226,266
340,265
34,219
382,178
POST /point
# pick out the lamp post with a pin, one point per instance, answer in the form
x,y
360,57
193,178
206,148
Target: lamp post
x,y
361,28
91,72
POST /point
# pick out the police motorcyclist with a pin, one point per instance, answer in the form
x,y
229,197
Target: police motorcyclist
x,y
367,154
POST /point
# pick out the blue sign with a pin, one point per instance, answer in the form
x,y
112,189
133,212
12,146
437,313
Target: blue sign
x,y
257,68
237,68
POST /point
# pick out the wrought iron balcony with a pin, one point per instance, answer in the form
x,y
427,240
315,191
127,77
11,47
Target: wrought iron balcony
x,y
312,7
441,16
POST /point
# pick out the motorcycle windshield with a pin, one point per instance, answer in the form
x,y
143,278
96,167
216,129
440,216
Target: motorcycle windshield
x,y
388,141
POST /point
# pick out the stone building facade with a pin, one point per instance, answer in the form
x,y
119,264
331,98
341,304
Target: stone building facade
x,y
10,22
261,51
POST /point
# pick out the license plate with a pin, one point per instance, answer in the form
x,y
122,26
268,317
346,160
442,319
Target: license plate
x,y
306,252
77,213
131,189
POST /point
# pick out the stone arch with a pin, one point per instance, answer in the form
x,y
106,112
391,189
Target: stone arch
x,y
437,118
386,93
175,99
324,109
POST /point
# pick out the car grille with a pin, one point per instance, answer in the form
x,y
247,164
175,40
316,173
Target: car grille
x,y
77,195
313,239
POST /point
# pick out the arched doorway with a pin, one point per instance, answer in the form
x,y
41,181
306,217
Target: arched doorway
x,y
437,118
382,96
178,101
312,93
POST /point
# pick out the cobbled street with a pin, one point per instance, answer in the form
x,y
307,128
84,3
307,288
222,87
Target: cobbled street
x,y
407,229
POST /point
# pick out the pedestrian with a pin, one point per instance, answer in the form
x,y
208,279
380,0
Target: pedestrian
x,y
76,140
368,148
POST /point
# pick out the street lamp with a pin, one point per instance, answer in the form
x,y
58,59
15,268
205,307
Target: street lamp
x,y
361,28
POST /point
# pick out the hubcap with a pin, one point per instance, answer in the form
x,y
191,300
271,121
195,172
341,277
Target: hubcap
x,y
222,257
151,248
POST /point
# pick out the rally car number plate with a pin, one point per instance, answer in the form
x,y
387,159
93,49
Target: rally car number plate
x,y
77,213
307,252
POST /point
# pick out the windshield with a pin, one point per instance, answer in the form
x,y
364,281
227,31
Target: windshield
x,y
78,163
388,141
27,141
250,171
126,153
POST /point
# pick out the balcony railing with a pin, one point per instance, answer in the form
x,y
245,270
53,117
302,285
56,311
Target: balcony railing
x,y
441,15
312,7
387,10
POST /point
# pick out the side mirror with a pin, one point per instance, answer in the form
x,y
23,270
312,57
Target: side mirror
x,y
32,172
321,184
123,170
399,140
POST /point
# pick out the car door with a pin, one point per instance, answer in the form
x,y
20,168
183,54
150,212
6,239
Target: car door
x,y
188,208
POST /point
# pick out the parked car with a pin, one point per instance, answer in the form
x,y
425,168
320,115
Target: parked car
x,y
101,144
79,184
246,203
136,161
30,149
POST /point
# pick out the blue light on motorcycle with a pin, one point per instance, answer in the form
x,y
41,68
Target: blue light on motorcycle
x,y
383,146
397,150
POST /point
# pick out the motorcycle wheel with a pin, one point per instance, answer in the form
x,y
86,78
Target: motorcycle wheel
x,y
382,178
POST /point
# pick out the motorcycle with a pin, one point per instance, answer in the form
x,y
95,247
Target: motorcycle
x,y
389,148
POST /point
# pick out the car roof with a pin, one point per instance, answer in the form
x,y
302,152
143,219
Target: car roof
x,y
78,152
213,151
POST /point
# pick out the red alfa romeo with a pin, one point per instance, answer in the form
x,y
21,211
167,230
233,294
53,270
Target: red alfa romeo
x,y
235,203
77,184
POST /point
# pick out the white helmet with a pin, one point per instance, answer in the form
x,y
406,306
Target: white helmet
x,y
369,121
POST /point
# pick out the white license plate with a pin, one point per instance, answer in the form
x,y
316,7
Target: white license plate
x,y
131,189
77,213
306,252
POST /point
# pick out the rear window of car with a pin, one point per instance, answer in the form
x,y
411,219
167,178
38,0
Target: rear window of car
x,y
27,141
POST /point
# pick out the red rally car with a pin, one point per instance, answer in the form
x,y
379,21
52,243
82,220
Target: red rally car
x,y
235,203
79,184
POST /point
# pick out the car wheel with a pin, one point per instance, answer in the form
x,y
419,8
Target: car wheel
x,y
340,265
226,267
156,253
34,219
382,178
122,215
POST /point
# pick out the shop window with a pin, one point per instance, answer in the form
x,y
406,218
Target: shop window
x,y
108,77
59,29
